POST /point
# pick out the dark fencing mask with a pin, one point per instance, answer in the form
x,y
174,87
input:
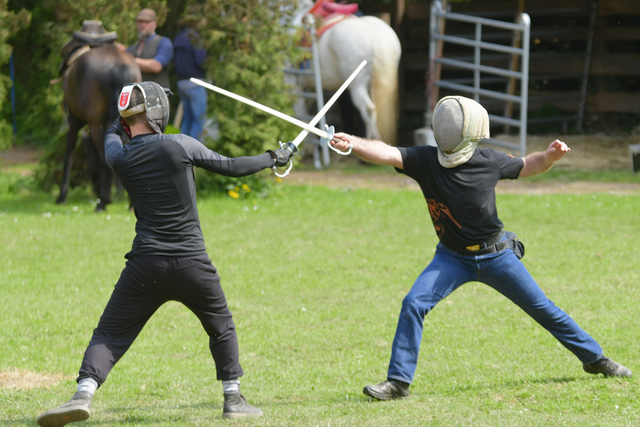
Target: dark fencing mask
x,y
156,104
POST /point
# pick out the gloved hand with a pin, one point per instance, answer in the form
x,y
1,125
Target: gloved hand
x,y
281,155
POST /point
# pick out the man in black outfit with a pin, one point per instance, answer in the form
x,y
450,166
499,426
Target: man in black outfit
x,y
168,260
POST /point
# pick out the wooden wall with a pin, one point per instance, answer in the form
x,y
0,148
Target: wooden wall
x,y
568,37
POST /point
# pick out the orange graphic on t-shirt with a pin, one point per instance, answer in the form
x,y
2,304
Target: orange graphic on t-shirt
x,y
438,210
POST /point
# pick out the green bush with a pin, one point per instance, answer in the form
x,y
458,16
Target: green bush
x,y
248,49
248,44
10,23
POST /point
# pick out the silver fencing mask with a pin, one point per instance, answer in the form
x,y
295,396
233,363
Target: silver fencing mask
x,y
459,124
156,104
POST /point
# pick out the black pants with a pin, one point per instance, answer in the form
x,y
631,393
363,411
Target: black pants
x,y
145,284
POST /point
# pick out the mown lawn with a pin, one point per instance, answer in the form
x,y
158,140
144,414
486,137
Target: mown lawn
x,y
315,278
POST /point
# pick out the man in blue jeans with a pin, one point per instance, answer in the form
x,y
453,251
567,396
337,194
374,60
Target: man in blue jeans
x,y
189,60
458,181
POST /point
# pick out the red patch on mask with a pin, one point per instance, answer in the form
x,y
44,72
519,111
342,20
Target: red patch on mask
x,y
124,99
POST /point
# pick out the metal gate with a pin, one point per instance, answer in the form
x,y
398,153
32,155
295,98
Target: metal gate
x,y
482,74
320,152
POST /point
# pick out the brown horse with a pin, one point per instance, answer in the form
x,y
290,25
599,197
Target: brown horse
x,y
91,86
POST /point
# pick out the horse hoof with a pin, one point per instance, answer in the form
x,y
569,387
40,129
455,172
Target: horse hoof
x,y
60,200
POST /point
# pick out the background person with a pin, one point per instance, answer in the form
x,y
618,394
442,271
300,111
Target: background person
x,y
153,52
188,62
168,260
458,181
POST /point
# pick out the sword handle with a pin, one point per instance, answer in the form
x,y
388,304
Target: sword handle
x,y
331,131
294,150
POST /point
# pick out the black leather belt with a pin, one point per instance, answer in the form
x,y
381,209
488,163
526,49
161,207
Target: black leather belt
x,y
489,246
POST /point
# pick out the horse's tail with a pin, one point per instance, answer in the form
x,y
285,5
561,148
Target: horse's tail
x,y
384,89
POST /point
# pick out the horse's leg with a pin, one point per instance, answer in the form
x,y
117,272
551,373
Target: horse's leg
x,y
92,162
104,172
350,117
72,139
363,103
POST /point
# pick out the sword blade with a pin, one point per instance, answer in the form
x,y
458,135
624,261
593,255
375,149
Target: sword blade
x,y
264,108
329,103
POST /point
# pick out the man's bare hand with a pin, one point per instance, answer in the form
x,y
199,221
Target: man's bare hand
x,y
343,141
542,161
556,150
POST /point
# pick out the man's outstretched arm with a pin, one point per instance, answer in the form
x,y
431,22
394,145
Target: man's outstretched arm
x,y
536,163
371,151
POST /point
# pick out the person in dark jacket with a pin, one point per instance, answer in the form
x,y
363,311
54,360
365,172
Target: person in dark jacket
x,y
458,181
189,58
168,260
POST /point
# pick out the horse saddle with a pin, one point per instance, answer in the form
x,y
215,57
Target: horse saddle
x,y
91,34
325,8
331,13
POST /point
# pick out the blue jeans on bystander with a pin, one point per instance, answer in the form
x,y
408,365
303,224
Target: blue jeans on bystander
x,y
504,272
194,105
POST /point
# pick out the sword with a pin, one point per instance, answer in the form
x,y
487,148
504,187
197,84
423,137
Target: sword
x,y
324,110
307,127
292,120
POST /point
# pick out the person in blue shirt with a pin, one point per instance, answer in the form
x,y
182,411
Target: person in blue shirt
x,y
153,52
189,62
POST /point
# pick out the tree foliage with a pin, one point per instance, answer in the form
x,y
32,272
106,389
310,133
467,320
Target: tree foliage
x,y
248,42
37,55
10,23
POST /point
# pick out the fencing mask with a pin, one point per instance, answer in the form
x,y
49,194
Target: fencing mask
x,y
459,124
156,104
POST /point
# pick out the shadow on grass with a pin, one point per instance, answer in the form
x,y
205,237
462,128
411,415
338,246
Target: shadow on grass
x,y
521,383
37,203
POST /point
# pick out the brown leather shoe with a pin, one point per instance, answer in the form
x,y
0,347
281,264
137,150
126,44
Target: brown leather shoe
x,y
77,409
388,390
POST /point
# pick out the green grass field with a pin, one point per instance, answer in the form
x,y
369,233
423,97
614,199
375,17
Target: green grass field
x,y
315,279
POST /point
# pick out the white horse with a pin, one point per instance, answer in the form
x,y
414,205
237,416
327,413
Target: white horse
x,y
374,92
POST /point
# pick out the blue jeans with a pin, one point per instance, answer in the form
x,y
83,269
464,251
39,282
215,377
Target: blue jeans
x,y
504,272
194,104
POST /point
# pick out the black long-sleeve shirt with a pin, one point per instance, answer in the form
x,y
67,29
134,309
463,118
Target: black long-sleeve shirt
x,y
157,172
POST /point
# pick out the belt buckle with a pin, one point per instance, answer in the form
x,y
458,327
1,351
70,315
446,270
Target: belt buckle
x,y
473,248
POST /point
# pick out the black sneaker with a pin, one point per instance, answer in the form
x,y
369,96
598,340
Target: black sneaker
x,y
607,367
236,406
77,409
388,390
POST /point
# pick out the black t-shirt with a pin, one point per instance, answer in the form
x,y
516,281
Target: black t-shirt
x,y
461,200
157,172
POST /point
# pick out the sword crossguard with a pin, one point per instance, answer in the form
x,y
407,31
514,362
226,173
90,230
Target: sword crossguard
x,y
291,146
331,131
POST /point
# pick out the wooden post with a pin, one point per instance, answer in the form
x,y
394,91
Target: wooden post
x,y
436,67
517,42
400,8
